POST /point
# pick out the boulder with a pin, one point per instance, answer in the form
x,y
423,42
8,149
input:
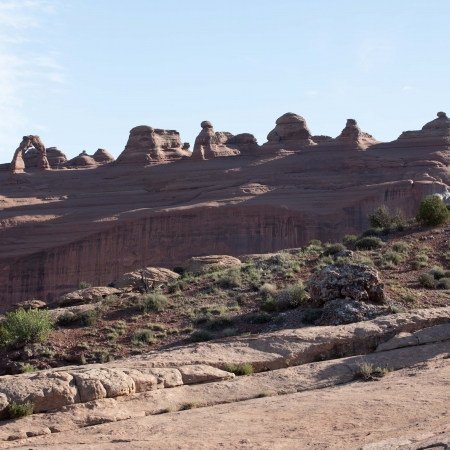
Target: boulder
x,y
343,311
343,254
201,373
144,279
28,304
82,160
148,145
89,295
200,264
352,281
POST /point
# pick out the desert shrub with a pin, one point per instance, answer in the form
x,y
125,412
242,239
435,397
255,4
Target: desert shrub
x,y
264,393
228,332
396,310
16,411
364,370
65,319
142,336
241,299
437,272
382,218
179,270
241,369
400,247
258,317
422,257
200,336
324,261
332,249
427,280
290,296
87,318
410,299
311,315
219,323
230,278
315,243
267,289
444,283
268,304
152,302
433,211
368,243
26,326
370,232
393,257
416,265
190,405
84,285
349,239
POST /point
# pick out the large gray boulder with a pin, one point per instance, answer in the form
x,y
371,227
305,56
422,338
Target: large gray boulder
x,y
144,279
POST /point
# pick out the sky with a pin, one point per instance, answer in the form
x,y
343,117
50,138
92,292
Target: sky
x,y
82,73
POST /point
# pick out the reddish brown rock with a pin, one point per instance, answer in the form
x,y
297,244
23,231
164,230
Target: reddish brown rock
x,y
55,157
82,160
18,165
201,264
102,156
148,145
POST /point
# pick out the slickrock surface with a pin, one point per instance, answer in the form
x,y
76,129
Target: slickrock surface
x,y
316,405
200,264
157,205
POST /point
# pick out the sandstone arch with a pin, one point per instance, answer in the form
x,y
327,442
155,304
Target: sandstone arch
x,y
18,164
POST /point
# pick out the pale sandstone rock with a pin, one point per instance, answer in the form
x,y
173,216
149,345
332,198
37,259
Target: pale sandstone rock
x,y
29,304
87,295
144,381
433,334
205,263
146,278
202,373
170,377
71,311
355,281
46,390
3,405
398,341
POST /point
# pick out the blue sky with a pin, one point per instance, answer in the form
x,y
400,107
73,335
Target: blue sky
x,y
82,73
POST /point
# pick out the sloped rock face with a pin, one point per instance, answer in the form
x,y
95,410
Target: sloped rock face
x,y
291,132
352,281
147,145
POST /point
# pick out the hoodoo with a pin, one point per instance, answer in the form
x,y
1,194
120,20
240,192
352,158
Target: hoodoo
x,y
102,156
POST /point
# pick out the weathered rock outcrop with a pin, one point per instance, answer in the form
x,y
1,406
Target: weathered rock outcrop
x,y
147,145
291,133
55,157
82,160
144,279
102,156
210,144
352,281
353,137
88,295
201,264
18,165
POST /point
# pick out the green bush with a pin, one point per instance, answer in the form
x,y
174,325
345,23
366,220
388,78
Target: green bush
x,y
200,336
382,218
433,211
438,272
444,283
370,232
258,317
228,332
332,249
267,289
219,323
241,369
400,247
368,243
349,239
142,336
27,326
84,285
268,304
393,257
152,302
314,243
16,411
427,280
87,318
311,315
290,296
230,278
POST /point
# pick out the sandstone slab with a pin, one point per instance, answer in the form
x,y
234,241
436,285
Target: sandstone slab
x,y
201,264
88,295
202,373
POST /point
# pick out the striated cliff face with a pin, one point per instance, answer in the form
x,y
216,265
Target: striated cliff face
x,y
58,228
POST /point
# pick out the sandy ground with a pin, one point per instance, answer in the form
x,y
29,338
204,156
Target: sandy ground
x,y
413,401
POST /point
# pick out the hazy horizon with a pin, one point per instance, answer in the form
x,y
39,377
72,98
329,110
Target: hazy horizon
x,y
81,75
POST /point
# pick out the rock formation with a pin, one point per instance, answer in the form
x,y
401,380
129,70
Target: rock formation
x,y
18,165
102,156
55,157
82,160
210,144
94,225
353,136
148,145
290,133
